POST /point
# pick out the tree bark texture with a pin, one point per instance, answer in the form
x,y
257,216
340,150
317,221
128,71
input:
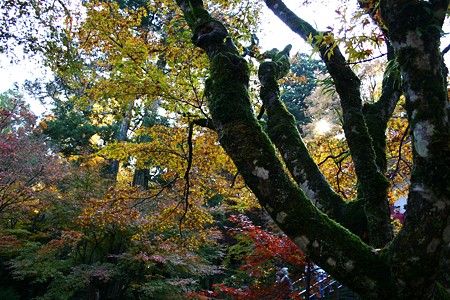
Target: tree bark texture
x,y
306,208
414,30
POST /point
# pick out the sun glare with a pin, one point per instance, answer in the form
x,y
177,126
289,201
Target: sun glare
x,y
322,127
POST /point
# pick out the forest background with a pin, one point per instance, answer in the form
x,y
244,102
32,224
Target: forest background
x,y
121,191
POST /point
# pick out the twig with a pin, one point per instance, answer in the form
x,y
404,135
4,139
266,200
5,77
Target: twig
x,y
205,122
446,49
397,165
333,157
142,199
234,179
366,60
186,177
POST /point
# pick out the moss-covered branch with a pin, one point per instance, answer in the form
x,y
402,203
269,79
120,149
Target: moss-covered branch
x,y
378,114
373,183
283,132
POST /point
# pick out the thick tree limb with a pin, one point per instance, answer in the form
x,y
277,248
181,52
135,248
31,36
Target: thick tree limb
x,y
408,268
283,131
373,183
204,122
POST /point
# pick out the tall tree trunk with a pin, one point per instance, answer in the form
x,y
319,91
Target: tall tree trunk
x,y
414,30
120,136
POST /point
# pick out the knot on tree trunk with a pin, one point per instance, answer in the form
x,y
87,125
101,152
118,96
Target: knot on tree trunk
x,y
271,71
213,37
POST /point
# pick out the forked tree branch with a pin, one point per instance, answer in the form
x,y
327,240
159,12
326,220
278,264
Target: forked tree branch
x,y
373,183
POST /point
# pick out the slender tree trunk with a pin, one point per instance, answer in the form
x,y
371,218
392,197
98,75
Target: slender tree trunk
x,y
121,135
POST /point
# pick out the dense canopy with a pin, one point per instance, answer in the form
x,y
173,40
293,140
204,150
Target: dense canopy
x,y
168,120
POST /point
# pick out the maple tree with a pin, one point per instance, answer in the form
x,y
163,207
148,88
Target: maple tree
x,y
106,231
404,267
88,225
21,181
25,184
95,236
251,260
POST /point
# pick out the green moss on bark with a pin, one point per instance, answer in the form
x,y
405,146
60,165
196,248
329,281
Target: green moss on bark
x,y
194,13
227,88
283,132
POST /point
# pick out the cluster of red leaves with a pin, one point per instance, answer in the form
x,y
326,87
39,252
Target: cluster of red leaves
x,y
9,242
268,246
26,167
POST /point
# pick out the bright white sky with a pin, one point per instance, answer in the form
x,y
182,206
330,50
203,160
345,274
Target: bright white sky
x,y
274,35
11,74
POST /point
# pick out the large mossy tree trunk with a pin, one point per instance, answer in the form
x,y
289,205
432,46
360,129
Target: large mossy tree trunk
x,y
306,208
414,30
